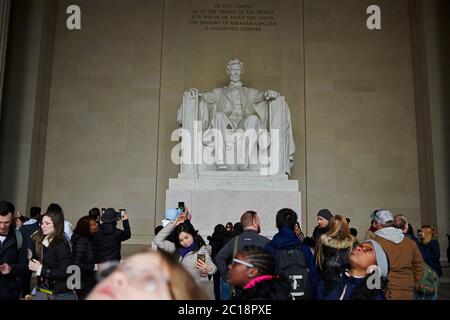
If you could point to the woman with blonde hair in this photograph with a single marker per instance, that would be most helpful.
(333, 251)
(429, 247)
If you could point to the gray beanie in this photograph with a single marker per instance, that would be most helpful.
(382, 261)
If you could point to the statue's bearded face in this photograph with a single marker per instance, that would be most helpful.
(235, 72)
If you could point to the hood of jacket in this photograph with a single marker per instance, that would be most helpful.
(30, 222)
(284, 239)
(391, 234)
(336, 243)
(108, 228)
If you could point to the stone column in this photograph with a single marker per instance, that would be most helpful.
(4, 19)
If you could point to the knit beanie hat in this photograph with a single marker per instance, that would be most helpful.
(325, 213)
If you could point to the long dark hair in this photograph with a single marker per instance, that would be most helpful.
(58, 223)
(188, 228)
(83, 227)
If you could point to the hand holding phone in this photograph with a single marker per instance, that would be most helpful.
(123, 214)
(201, 257)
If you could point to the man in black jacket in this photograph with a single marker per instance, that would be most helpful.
(323, 219)
(109, 238)
(250, 237)
(13, 254)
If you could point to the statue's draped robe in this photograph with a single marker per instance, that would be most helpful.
(253, 103)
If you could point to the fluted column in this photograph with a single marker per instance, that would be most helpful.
(4, 18)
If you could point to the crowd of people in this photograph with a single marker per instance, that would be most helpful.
(37, 252)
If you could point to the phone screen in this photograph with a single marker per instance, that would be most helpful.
(201, 256)
(181, 206)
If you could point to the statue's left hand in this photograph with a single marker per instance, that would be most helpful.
(270, 94)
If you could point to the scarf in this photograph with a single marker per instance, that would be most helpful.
(257, 280)
(185, 251)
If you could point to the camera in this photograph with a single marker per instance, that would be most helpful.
(121, 213)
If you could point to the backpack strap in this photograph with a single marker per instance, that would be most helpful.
(19, 239)
(235, 246)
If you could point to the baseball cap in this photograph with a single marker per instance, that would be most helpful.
(170, 214)
(382, 216)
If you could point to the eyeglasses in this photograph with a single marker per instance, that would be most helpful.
(145, 278)
(245, 263)
(365, 249)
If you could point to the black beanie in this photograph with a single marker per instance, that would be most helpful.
(325, 213)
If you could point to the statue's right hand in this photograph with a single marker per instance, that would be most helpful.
(191, 93)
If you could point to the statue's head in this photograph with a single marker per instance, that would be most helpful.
(235, 69)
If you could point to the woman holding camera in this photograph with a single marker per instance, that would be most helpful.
(190, 248)
(55, 259)
(108, 240)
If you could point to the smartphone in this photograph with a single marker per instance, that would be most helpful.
(103, 210)
(122, 212)
(201, 256)
(181, 206)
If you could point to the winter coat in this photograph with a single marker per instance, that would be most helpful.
(286, 239)
(344, 289)
(29, 227)
(216, 245)
(84, 256)
(55, 262)
(247, 238)
(189, 261)
(10, 285)
(334, 258)
(406, 266)
(317, 233)
(108, 241)
(266, 289)
(431, 254)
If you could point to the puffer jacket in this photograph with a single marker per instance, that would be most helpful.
(189, 261)
(108, 241)
(334, 258)
(84, 256)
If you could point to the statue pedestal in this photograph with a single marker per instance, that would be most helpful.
(219, 197)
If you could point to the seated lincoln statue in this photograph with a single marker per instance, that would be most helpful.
(236, 108)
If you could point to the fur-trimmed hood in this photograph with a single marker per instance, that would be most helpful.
(336, 244)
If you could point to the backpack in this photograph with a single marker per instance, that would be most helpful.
(292, 264)
(429, 283)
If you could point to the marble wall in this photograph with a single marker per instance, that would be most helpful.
(116, 85)
(361, 145)
(102, 132)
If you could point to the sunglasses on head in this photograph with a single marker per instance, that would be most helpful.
(245, 263)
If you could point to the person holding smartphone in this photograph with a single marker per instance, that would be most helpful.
(108, 240)
(190, 248)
